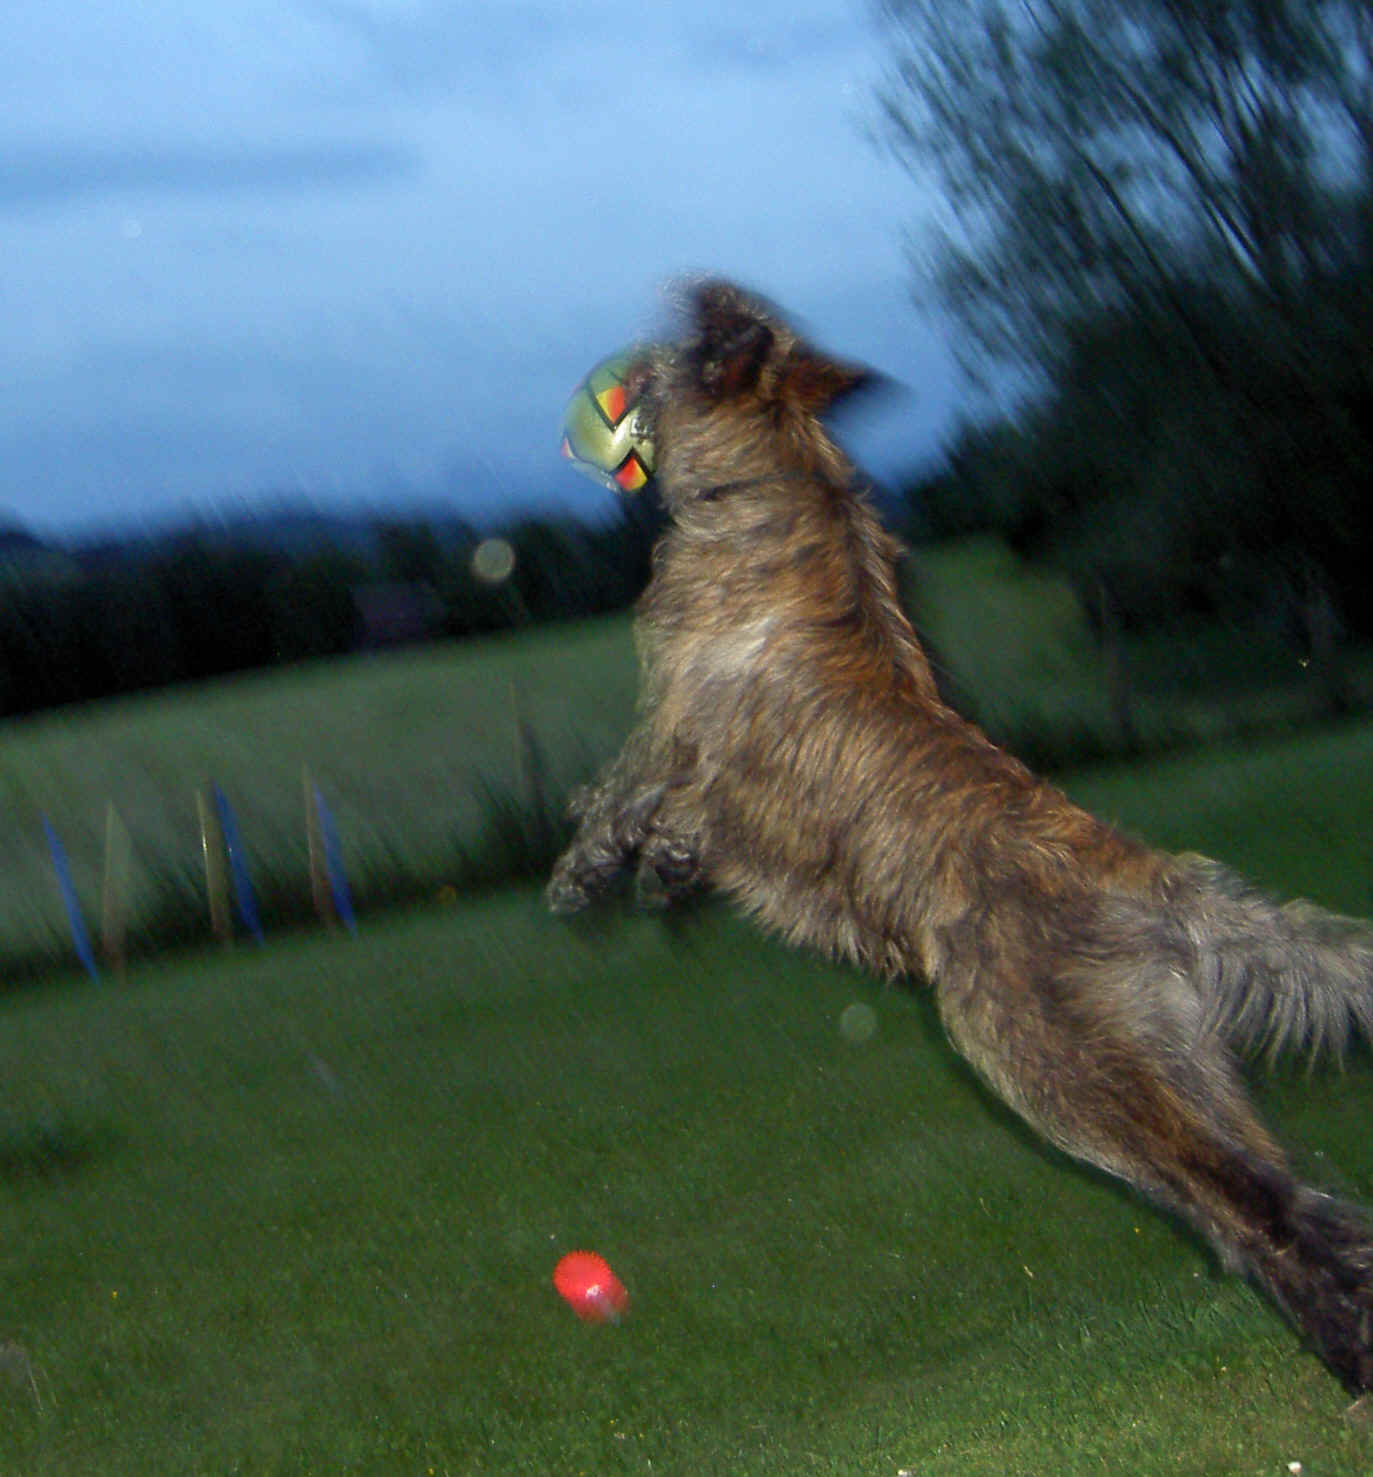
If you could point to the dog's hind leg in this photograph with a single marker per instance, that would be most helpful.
(1172, 1119)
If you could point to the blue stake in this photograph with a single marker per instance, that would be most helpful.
(64, 882)
(244, 898)
(333, 865)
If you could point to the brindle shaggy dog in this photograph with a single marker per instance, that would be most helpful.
(794, 752)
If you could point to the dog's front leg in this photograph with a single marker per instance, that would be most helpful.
(613, 825)
(620, 825)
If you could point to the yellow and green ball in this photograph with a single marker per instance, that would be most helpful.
(603, 433)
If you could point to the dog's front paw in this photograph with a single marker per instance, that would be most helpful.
(565, 895)
(669, 869)
(580, 877)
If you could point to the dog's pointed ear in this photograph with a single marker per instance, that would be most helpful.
(818, 382)
(732, 340)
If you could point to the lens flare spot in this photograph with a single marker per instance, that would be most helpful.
(493, 560)
(858, 1023)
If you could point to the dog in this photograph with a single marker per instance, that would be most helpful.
(793, 751)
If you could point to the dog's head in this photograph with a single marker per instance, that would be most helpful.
(738, 398)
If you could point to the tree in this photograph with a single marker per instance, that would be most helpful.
(1096, 154)
(410, 551)
(313, 613)
(217, 599)
(1162, 210)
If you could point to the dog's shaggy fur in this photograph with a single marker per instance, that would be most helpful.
(794, 752)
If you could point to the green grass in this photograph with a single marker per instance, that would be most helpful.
(1013, 637)
(1016, 649)
(296, 1210)
(1295, 815)
(404, 749)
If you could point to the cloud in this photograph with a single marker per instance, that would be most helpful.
(266, 244)
(52, 176)
(496, 54)
(537, 52)
(749, 42)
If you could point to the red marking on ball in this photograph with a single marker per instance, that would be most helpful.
(593, 1292)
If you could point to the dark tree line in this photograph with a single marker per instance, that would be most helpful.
(1144, 478)
(1160, 221)
(88, 625)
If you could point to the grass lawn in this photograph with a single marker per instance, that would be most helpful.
(1024, 663)
(296, 1210)
(400, 747)
(1013, 638)
(1293, 814)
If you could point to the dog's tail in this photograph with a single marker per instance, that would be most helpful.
(1273, 975)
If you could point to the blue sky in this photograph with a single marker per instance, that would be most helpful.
(348, 250)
